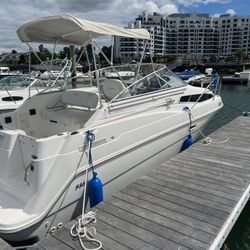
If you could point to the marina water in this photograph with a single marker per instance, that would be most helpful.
(236, 99)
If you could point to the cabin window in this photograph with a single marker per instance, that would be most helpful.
(194, 98)
(12, 98)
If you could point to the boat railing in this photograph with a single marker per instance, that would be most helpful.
(10, 95)
(214, 86)
(174, 64)
(64, 72)
(163, 83)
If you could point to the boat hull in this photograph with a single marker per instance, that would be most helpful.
(132, 164)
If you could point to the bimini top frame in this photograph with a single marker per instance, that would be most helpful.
(70, 30)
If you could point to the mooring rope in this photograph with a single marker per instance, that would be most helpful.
(81, 229)
(207, 139)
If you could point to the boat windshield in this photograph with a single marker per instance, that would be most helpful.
(124, 83)
(20, 81)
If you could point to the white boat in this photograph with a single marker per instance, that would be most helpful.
(14, 90)
(126, 75)
(53, 74)
(5, 71)
(245, 74)
(202, 80)
(43, 142)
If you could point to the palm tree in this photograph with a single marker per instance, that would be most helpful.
(239, 53)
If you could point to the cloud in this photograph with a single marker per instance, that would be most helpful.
(168, 9)
(231, 12)
(162, 7)
(216, 15)
(119, 12)
(188, 3)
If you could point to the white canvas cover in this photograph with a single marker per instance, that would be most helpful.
(66, 29)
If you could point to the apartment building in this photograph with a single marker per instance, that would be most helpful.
(187, 35)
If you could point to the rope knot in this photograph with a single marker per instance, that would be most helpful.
(90, 138)
(187, 109)
(90, 135)
(83, 232)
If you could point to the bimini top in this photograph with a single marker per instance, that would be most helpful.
(66, 29)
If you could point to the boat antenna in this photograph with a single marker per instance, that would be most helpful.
(112, 50)
(73, 66)
(87, 56)
(96, 72)
(157, 76)
(45, 66)
(29, 62)
(110, 63)
(53, 53)
(143, 52)
(29, 68)
(80, 56)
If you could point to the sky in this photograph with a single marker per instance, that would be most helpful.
(14, 13)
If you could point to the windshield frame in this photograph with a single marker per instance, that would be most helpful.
(146, 77)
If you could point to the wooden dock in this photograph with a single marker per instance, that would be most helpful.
(4, 245)
(233, 80)
(189, 202)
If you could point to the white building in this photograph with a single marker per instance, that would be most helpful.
(188, 35)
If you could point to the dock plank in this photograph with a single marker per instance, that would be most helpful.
(4, 245)
(214, 164)
(210, 172)
(127, 222)
(201, 175)
(173, 239)
(171, 214)
(187, 190)
(183, 200)
(153, 218)
(37, 247)
(187, 196)
(192, 178)
(51, 243)
(106, 241)
(170, 205)
(122, 237)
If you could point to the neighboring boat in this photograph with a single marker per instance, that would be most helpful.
(14, 90)
(245, 74)
(203, 80)
(136, 127)
(186, 75)
(196, 78)
(5, 71)
(126, 75)
(53, 74)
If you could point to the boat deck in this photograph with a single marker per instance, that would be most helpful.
(189, 202)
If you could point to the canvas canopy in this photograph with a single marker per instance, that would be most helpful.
(66, 29)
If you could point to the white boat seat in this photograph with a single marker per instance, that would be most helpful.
(112, 87)
(80, 98)
(77, 107)
(69, 116)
